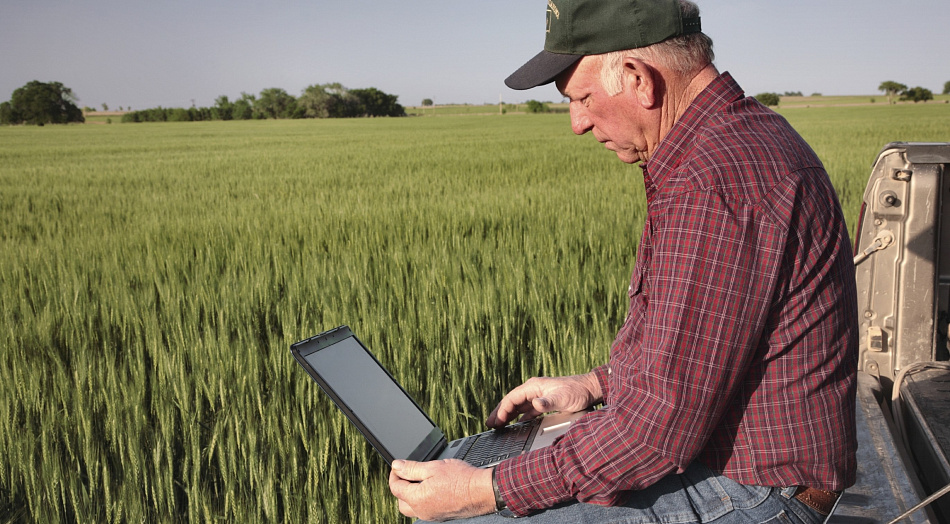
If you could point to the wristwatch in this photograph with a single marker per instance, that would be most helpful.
(499, 502)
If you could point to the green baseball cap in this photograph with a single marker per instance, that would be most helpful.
(577, 28)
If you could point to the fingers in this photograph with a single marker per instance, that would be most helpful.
(406, 510)
(499, 420)
(543, 394)
(396, 486)
(518, 401)
(440, 489)
(508, 410)
(402, 487)
(401, 479)
(496, 419)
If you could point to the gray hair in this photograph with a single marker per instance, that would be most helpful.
(685, 55)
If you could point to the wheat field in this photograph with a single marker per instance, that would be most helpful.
(153, 277)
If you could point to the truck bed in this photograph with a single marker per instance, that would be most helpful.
(884, 487)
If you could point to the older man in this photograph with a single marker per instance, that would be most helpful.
(729, 394)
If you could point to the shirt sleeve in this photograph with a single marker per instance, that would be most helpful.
(699, 299)
(601, 373)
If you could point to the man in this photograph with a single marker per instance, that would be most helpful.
(729, 394)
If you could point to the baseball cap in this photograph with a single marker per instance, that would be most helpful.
(577, 28)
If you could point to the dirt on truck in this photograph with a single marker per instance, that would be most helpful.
(902, 264)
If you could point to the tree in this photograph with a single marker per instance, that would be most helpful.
(8, 115)
(344, 104)
(374, 102)
(179, 114)
(329, 101)
(427, 102)
(891, 88)
(105, 106)
(769, 99)
(275, 103)
(946, 88)
(315, 102)
(243, 109)
(41, 103)
(917, 94)
(222, 109)
(537, 107)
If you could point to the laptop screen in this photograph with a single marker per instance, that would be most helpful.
(371, 395)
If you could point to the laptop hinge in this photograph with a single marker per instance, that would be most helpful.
(431, 445)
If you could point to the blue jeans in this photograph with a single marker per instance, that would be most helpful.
(696, 496)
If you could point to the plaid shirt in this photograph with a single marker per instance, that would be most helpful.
(740, 345)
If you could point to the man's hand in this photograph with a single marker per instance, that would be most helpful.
(441, 489)
(541, 395)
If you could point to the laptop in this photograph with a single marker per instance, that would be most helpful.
(392, 421)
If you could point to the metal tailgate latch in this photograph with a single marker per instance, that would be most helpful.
(881, 241)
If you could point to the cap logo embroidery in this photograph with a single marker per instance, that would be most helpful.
(552, 9)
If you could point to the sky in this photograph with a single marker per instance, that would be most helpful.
(176, 53)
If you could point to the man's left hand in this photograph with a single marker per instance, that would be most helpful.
(441, 489)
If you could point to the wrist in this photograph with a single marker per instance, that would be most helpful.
(482, 492)
(594, 386)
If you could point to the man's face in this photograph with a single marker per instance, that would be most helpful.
(615, 121)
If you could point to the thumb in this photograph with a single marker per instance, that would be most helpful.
(408, 469)
(542, 404)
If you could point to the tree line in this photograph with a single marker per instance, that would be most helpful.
(890, 88)
(41, 103)
(317, 101)
(914, 94)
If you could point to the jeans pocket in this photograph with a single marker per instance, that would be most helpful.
(732, 494)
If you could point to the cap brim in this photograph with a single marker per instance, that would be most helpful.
(541, 70)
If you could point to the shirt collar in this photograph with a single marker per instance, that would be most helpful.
(722, 91)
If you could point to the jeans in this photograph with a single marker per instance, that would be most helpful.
(696, 496)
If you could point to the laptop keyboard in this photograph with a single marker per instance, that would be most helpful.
(494, 446)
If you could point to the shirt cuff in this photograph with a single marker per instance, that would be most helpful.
(601, 373)
(530, 482)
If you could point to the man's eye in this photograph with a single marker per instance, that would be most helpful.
(585, 101)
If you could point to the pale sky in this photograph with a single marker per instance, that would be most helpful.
(149, 53)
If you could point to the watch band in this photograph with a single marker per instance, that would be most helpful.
(499, 502)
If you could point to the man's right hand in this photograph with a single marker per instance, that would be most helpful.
(542, 394)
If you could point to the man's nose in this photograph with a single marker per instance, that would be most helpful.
(580, 123)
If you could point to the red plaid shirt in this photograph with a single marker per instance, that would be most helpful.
(740, 345)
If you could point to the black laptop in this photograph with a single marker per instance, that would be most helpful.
(392, 421)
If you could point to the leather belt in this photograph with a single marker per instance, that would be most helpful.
(817, 499)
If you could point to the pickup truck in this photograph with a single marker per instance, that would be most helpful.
(902, 264)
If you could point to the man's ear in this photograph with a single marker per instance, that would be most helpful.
(641, 81)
